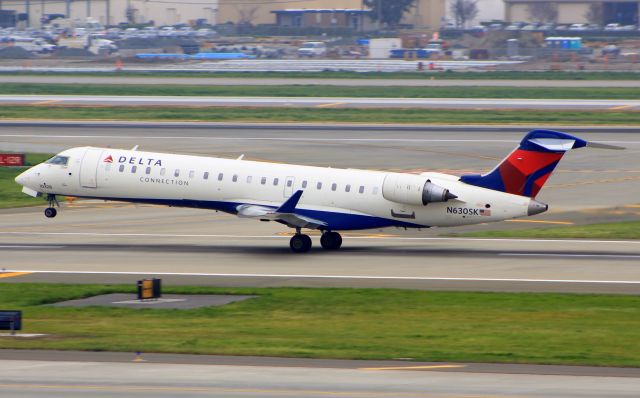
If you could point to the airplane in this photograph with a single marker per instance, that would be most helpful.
(320, 198)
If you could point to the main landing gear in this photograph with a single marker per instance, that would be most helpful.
(301, 243)
(331, 240)
(51, 211)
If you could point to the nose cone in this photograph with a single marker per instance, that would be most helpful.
(536, 207)
(23, 178)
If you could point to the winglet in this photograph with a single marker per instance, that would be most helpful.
(290, 205)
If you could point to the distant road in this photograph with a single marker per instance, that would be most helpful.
(250, 81)
(322, 102)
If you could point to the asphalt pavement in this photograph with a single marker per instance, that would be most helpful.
(327, 102)
(428, 80)
(69, 378)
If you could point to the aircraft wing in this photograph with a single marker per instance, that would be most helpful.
(285, 214)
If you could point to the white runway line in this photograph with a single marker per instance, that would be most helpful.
(399, 238)
(346, 237)
(396, 238)
(400, 278)
(571, 255)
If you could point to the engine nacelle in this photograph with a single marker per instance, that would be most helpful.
(413, 189)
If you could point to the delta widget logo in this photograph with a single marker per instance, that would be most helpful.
(108, 159)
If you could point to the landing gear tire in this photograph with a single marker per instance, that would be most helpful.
(50, 212)
(300, 243)
(331, 241)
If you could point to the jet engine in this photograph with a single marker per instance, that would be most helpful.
(412, 189)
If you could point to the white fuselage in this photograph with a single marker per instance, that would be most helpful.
(343, 198)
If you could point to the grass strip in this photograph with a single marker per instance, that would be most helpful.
(617, 230)
(344, 323)
(488, 75)
(11, 193)
(248, 114)
(323, 91)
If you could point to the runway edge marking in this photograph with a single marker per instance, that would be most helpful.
(67, 272)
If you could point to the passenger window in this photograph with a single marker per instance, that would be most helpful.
(234, 178)
(121, 168)
(206, 175)
(375, 190)
(334, 186)
(275, 181)
(249, 178)
(347, 188)
(319, 186)
(176, 173)
(192, 173)
(304, 184)
(148, 171)
(361, 190)
(289, 183)
(263, 180)
(134, 169)
(220, 176)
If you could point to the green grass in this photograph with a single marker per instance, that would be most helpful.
(617, 230)
(11, 193)
(498, 75)
(345, 323)
(322, 91)
(247, 114)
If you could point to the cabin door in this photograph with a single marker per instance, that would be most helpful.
(89, 168)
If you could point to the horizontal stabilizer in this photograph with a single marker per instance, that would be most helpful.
(599, 145)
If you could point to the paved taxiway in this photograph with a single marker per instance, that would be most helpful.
(206, 247)
(114, 374)
(249, 81)
(332, 102)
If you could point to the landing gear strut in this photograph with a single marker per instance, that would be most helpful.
(300, 243)
(331, 240)
(51, 211)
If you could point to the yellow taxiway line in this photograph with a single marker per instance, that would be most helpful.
(543, 222)
(47, 102)
(426, 367)
(12, 274)
(330, 104)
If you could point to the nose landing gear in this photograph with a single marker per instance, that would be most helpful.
(51, 211)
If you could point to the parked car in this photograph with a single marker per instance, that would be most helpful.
(312, 49)
(613, 26)
(578, 26)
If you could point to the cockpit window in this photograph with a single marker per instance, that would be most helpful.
(61, 160)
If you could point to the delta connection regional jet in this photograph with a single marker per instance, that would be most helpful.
(326, 199)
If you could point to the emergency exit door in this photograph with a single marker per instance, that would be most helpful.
(89, 168)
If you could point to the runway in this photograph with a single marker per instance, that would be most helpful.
(428, 80)
(96, 243)
(327, 102)
(77, 374)
(108, 243)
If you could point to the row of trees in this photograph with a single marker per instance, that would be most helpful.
(390, 12)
